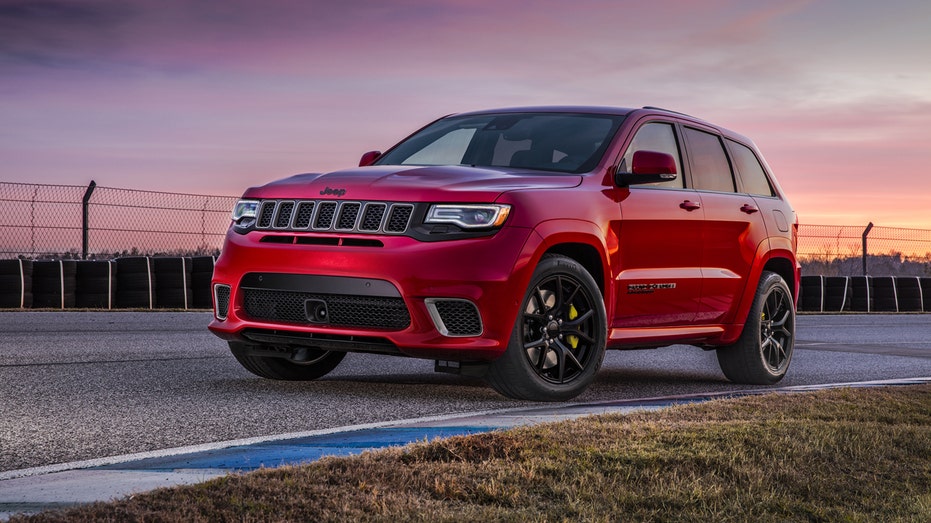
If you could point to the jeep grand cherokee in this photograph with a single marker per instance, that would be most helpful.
(518, 245)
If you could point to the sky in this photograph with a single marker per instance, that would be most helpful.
(213, 96)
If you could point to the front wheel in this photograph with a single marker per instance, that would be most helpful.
(762, 354)
(558, 341)
(309, 364)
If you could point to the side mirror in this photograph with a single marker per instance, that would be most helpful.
(648, 167)
(369, 158)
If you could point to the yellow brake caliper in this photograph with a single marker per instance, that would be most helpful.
(573, 340)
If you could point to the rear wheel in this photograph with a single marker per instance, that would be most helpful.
(558, 341)
(762, 354)
(298, 365)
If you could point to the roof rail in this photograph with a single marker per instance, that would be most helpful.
(668, 111)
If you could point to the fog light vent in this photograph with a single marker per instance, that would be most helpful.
(221, 297)
(455, 317)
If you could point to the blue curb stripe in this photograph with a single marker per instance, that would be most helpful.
(296, 451)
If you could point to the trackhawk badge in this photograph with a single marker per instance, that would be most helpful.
(648, 288)
(335, 192)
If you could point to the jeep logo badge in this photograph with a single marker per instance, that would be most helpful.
(335, 192)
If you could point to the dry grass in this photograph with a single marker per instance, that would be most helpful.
(840, 455)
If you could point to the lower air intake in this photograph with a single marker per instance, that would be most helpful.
(455, 317)
(370, 312)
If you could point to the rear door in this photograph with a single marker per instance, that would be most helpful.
(660, 241)
(733, 231)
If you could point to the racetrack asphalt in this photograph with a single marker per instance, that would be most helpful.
(81, 386)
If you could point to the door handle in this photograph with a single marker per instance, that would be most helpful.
(689, 205)
(749, 209)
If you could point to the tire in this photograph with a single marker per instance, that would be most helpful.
(319, 363)
(558, 341)
(763, 352)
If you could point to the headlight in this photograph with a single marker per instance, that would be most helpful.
(469, 216)
(245, 209)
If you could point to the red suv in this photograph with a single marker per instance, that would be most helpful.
(518, 245)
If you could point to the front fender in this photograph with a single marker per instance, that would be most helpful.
(567, 237)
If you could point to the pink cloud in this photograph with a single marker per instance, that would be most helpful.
(215, 96)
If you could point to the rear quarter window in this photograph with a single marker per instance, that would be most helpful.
(752, 176)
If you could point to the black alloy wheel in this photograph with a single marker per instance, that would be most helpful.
(558, 341)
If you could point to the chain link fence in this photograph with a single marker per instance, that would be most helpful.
(844, 250)
(78, 222)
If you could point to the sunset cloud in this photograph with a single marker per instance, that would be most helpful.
(193, 96)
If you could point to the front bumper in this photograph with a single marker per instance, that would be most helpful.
(388, 299)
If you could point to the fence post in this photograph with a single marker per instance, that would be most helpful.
(85, 203)
(866, 232)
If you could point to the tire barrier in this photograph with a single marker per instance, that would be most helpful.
(184, 283)
(811, 298)
(885, 298)
(96, 285)
(54, 284)
(201, 274)
(135, 283)
(15, 284)
(861, 293)
(908, 294)
(173, 282)
(836, 294)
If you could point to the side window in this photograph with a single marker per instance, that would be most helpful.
(659, 137)
(752, 176)
(710, 169)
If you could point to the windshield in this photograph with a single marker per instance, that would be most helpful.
(559, 142)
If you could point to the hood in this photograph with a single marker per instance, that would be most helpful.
(413, 184)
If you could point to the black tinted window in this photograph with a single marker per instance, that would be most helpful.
(658, 137)
(752, 176)
(710, 169)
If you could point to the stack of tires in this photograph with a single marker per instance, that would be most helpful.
(96, 284)
(173, 277)
(861, 293)
(54, 284)
(884, 294)
(201, 274)
(135, 283)
(836, 294)
(811, 298)
(15, 284)
(908, 294)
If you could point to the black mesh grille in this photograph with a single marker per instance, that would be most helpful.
(342, 310)
(400, 216)
(265, 216)
(461, 318)
(223, 300)
(371, 218)
(305, 211)
(347, 216)
(283, 219)
(325, 215)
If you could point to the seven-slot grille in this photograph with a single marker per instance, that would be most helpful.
(329, 215)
